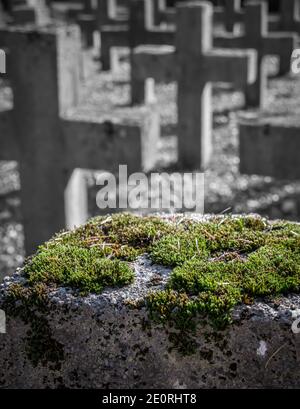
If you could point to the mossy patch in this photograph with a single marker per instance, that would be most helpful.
(216, 263)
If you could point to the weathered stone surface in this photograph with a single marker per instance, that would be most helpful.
(51, 56)
(194, 65)
(105, 343)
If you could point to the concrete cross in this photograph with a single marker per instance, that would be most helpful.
(87, 13)
(44, 72)
(92, 15)
(257, 37)
(2, 62)
(229, 14)
(162, 13)
(87, 21)
(270, 149)
(194, 64)
(289, 19)
(23, 12)
(2, 16)
(139, 30)
(67, 10)
(232, 14)
(110, 12)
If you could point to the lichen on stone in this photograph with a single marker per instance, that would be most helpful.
(216, 264)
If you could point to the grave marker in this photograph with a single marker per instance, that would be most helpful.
(233, 14)
(30, 11)
(194, 64)
(109, 13)
(257, 37)
(2, 16)
(2, 62)
(289, 17)
(66, 10)
(44, 72)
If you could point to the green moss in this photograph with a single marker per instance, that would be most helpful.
(30, 304)
(216, 264)
(121, 236)
(219, 264)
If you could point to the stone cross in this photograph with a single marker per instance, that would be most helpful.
(257, 37)
(44, 72)
(2, 16)
(23, 12)
(162, 13)
(31, 11)
(109, 13)
(270, 149)
(194, 64)
(232, 14)
(139, 30)
(87, 22)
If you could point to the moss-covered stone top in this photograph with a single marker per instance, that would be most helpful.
(216, 263)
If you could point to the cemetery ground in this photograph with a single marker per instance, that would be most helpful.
(226, 189)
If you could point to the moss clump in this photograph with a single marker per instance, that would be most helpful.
(223, 264)
(96, 255)
(216, 263)
(30, 304)
(121, 236)
(82, 268)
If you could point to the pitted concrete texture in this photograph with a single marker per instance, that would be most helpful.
(106, 343)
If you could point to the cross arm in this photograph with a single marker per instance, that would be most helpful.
(270, 149)
(8, 144)
(4, 35)
(234, 66)
(221, 15)
(154, 62)
(229, 41)
(277, 42)
(115, 34)
(169, 15)
(92, 145)
(102, 144)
